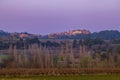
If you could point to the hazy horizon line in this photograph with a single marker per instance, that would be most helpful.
(58, 31)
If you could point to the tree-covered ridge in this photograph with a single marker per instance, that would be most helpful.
(3, 33)
(105, 35)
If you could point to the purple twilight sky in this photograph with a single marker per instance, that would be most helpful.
(46, 16)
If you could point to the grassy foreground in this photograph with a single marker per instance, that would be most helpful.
(82, 77)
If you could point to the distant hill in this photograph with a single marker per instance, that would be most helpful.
(67, 34)
(105, 35)
(3, 33)
(73, 34)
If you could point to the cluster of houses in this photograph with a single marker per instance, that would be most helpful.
(69, 33)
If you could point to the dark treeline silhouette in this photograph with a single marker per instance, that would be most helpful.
(2, 33)
(104, 35)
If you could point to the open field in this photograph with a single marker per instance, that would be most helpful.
(58, 71)
(82, 77)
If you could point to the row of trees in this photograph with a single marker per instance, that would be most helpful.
(66, 56)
